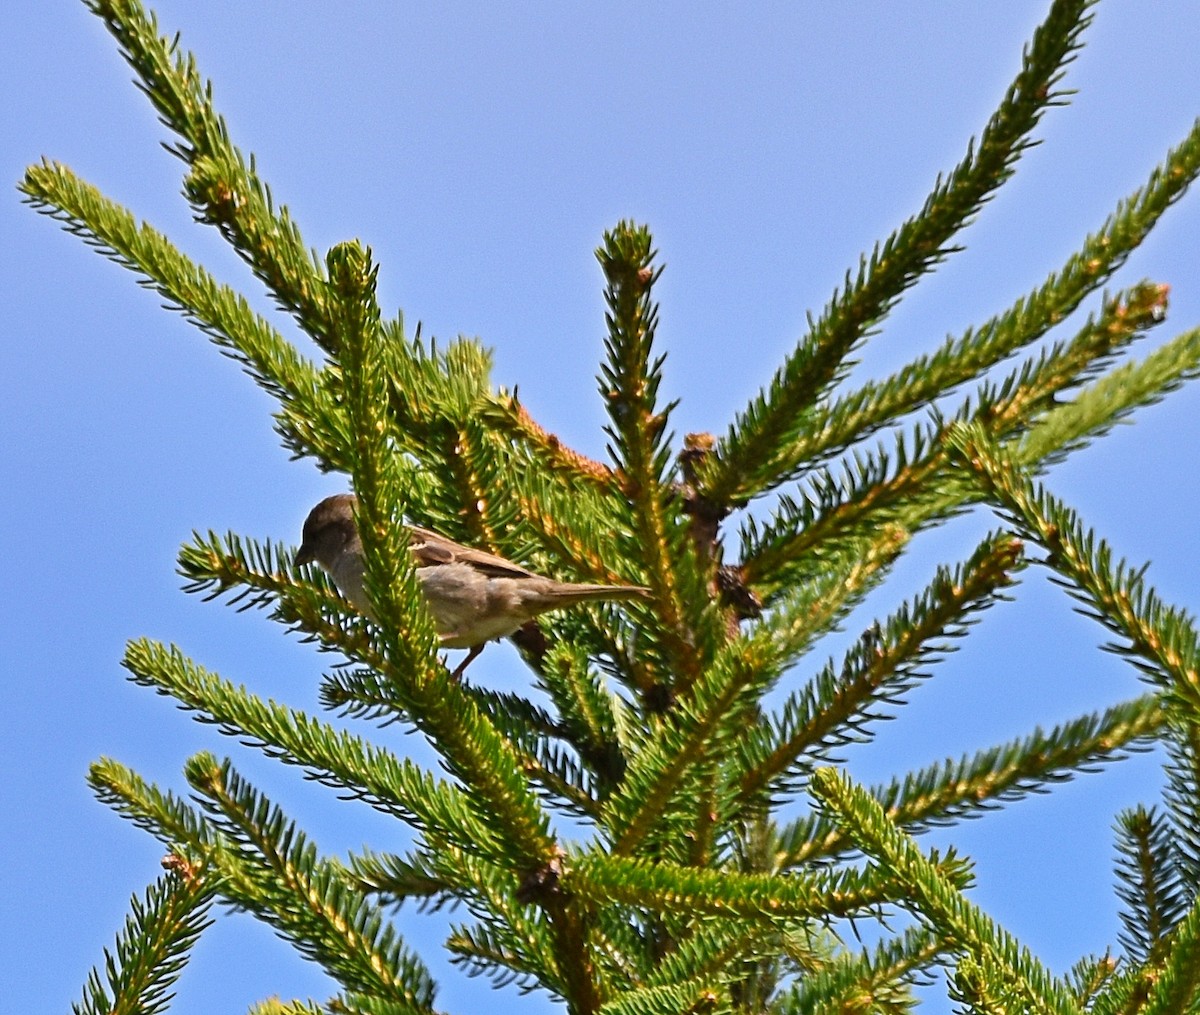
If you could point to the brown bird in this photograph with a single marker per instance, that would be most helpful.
(472, 596)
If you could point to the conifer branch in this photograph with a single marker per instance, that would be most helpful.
(693, 997)
(170, 820)
(473, 749)
(583, 537)
(218, 311)
(510, 943)
(257, 575)
(1175, 985)
(921, 486)
(663, 764)
(1182, 798)
(832, 710)
(274, 1006)
(985, 989)
(868, 981)
(504, 955)
(254, 576)
(223, 189)
(744, 959)
(948, 791)
(1162, 640)
(1148, 883)
(725, 701)
(518, 718)
(332, 757)
(409, 642)
(1040, 382)
(760, 897)
(1124, 993)
(934, 898)
(429, 385)
(228, 193)
(420, 875)
(276, 873)
(575, 525)
(629, 386)
(707, 949)
(855, 416)
(548, 752)
(565, 783)
(485, 509)
(471, 746)
(1109, 399)
(589, 721)
(803, 613)
(1089, 976)
(368, 693)
(513, 942)
(309, 413)
(153, 946)
(512, 419)
(432, 394)
(758, 451)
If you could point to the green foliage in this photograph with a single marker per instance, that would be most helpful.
(1149, 882)
(153, 947)
(621, 846)
(761, 449)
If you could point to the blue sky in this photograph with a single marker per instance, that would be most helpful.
(481, 153)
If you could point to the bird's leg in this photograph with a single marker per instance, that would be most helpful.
(471, 654)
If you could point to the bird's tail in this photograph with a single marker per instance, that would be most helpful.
(596, 593)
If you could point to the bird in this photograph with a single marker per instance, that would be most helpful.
(473, 596)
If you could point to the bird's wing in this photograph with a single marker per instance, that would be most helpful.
(431, 548)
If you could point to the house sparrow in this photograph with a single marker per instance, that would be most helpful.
(472, 596)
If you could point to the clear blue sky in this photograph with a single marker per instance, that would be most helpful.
(481, 153)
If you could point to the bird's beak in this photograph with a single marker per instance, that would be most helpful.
(304, 556)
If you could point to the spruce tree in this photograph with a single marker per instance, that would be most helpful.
(629, 846)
